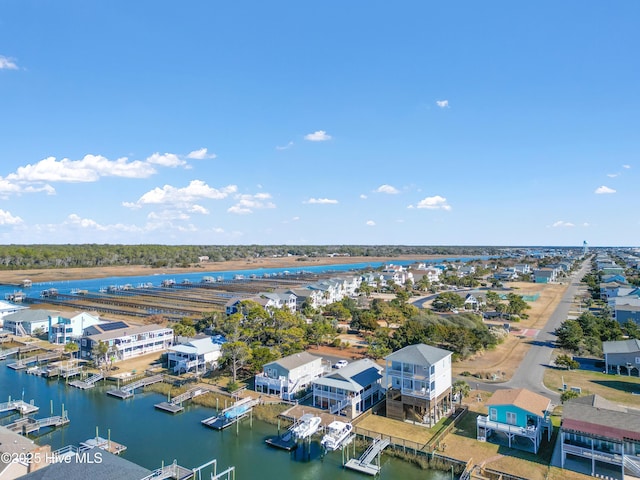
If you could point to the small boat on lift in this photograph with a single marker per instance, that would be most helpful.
(337, 433)
(307, 426)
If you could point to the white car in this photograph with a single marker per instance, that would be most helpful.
(341, 364)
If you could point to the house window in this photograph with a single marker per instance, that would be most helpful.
(433, 370)
(512, 418)
(637, 360)
(493, 414)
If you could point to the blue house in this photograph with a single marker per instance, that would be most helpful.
(517, 417)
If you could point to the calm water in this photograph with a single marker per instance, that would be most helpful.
(153, 436)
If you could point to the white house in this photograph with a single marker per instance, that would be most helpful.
(126, 341)
(63, 329)
(28, 321)
(418, 382)
(7, 308)
(289, 375)
(351, 389)
(198, 355)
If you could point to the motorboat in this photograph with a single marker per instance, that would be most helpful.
(307, 425)
(337, 433)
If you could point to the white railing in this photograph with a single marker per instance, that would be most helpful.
(587, 452)
(530, 432)
(632, 464)
(426, 393)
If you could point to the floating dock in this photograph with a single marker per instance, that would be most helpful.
(365, 464)
(19, 406)
(28, 425)
(128, 390)
(175, 405)
(88, 383)
(232, 414)
(103, 444)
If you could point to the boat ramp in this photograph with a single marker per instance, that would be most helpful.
(175, 405)
(365, 463)
(128, 390)
(232, 414)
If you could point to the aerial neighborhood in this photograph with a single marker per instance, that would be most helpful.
(429, 359)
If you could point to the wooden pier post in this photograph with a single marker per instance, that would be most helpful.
(51, 404)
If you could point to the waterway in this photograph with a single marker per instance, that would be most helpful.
(153, 436)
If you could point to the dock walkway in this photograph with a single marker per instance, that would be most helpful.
(128, 390)
(232, 414)
(36, 359)
(365, 463)
(4, 354)
(88, 383)
(27, 425)
(19, 406)
(175, 405)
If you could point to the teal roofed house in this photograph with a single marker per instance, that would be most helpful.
(517, 418)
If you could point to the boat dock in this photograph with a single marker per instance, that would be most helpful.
(27, 425)
(37, 359)
(286, 441)
(365, 463)
(4, 354)
(175, 405)
(128, 390)
(232, 414)
(103, 444)
(19, 406)
(88, 383)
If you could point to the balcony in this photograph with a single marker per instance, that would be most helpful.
(422, 393)
(586, 452)
(273, 383)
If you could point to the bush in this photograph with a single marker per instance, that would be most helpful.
(233, 386)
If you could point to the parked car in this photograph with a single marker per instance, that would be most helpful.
(341, 364)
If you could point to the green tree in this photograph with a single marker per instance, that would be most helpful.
(236, 354)
(567, 362)
(447, 301)
(71, 348)
(568, 395)
(99, 352)
(569, 335)
(461, 389)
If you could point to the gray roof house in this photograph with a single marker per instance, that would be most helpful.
(288, 376)
(622, 354)
(28, 321)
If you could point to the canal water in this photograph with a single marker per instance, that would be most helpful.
(153, 436)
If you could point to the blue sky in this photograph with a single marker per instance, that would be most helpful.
(289, 122)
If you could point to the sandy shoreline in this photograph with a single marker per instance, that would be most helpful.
(15, 277)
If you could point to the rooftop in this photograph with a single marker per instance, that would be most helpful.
(522, 398)
(419, 354)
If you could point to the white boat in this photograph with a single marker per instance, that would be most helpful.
(307, 426)
(337, 433)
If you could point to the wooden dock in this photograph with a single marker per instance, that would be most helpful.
(88, 383)
(27, 425)
(365, 464)
(4, 354)
(19, 406)
(128, 390)
(103, 444)
(36, 359)
(175, 405)
(286, 441)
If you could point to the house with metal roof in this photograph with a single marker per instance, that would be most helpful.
(62, 330)
(290, 375)
(349, 390)
(418, 383)
(597, 437)
(622, 354)
(28, 321)
(517, 417)
(196, 355)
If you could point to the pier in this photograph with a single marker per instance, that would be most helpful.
(365, 463)
(175, 405)
(4, 354)
(232, 414)
(128, 390)
(37, 359)
(286, 441)
(27, 425)
(88, 383)
(19, 406)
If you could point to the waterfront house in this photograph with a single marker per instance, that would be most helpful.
(350, 390)
(125, 341)
(66, 329)
(28, 321)
(597, 436)
(288, 376)
(314, 297)
(517, 417)
(197, 355)
(622, 354)
(7, 308)
(418, 383)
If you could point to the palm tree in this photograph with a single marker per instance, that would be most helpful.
(71, 348)
(461, 388)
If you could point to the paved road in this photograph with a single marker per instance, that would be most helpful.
(530, 373)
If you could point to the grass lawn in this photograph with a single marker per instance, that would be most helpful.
(616, 388)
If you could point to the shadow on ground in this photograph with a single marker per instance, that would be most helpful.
(619, 385)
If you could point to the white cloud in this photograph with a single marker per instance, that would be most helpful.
(7, 219)
(75, 220)
(248, 203)
(626, 166)
(7, 64)
(363, 196)
(561, 223)
(201, 154)
(322, 201)
(318, 136)
(166, 160)
(387, 189)
(442, 103)
(186, 196)
(603, 190)
(371, 223)
(199, 209)
(612, 175)
(586, 224)
(285, 147)
(433, 203)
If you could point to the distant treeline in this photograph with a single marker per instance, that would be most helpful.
(19, 257)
